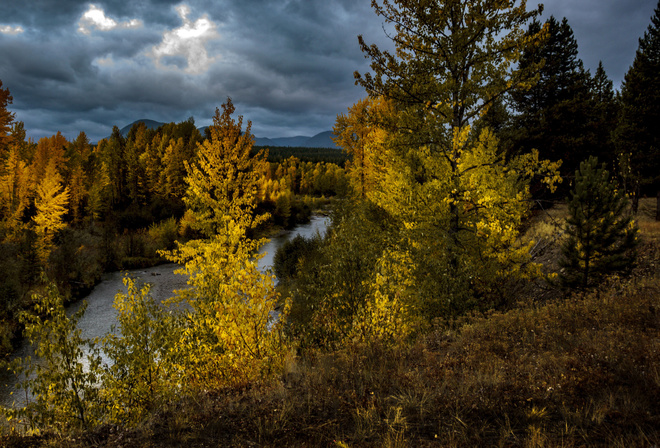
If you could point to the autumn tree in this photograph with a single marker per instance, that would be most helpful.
(51, 204)
(358, 135)
(63, 382)
(78, 176)
(459, 203)
(16, 186)
(139, 376)
(49, 151)
(222, 182)
(601, 233)
(229, 335)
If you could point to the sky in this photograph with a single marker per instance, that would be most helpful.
(288, 65)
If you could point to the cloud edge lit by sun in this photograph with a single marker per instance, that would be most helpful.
(95, 18)
(187, 42)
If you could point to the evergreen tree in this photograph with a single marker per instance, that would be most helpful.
(638, 133)
(604, 117)
(6, 118)
(553, 116)
(601, 236)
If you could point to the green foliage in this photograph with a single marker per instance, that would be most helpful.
(331, 284)
(601, 234)
(457, 202)
(76, 263)
(278, 154)
(139, 372)
(60, 384)
(638, 134)
(553, 116)
(165, 233)
(289, 256)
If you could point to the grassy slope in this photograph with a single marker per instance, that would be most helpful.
(582, 371)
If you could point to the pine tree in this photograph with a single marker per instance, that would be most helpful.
(6, 118)
(553, 116)
(604, 114)
(601, 235)
(638, 133)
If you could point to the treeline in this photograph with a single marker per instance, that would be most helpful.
(71, 210)
(569, 113)
(280, 153)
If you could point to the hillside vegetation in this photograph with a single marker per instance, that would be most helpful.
(583, 370)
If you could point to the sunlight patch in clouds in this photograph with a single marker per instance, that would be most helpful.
(8, 29)
(104, 62)
(95, 18)
(187, 43)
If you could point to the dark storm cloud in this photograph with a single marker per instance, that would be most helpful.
(288, 64)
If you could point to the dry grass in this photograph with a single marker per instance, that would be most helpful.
(572, 372)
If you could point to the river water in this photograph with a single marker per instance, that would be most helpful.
(100, 315)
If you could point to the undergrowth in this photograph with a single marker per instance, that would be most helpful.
(583, 370)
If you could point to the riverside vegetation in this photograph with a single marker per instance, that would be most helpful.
(455, 300)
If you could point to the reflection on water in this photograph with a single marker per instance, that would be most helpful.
(100, 315)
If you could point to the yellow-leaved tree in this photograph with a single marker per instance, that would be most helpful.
(15, 189)
(230, 335)
(51, 203)
(455, 202)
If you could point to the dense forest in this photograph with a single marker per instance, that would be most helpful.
(71, 210)
(490, 276)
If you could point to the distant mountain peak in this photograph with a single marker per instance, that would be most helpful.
(321, 140)
(150, 124)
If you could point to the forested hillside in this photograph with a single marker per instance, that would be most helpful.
(490, 276)
(71, 210)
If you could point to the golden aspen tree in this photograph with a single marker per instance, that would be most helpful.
(458, 201)
(229, 336)
(360, 136)
(51, 204)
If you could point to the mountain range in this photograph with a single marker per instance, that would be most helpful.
(321, 140)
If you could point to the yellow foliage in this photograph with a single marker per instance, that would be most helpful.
(51, 203)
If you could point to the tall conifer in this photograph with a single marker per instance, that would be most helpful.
(638, 133)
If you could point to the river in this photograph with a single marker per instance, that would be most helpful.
(100, 315)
